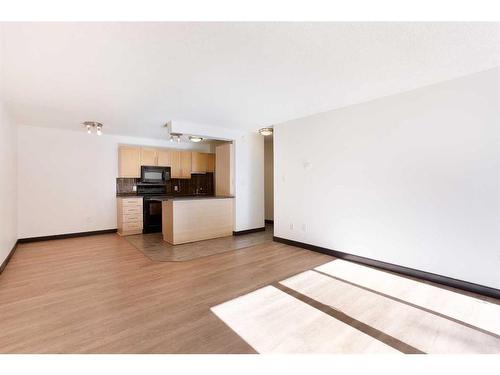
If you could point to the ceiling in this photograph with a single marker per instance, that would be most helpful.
(134, 77)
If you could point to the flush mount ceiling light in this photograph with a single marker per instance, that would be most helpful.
(266, 131)
(195, 138)
(93, 125)
(176, 137)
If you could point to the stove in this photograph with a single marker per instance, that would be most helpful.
(151, 208)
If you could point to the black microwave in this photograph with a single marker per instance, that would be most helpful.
(154, 175)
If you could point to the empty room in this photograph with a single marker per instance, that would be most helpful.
(250, 187)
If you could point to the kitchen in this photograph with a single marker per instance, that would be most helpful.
(186, 195)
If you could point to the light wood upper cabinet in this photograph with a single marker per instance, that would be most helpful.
(129, 161)
(186, 161)
(199, 162)
(224, 167)
(180, 164)
(211, 163)
(156, 157)
(163, 158)
(149, 156)
(175, 164)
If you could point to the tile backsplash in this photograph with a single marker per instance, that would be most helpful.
(126, 185)
(198, 183)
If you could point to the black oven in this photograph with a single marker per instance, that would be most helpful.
(154, 175)
(151, 206)
(152, 215)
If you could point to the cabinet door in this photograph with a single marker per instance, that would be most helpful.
(148, 156)
(163, 158)
(175, 161)
(211, 163)
(198, 162)
(224, 166)
(186, 164)
(129, 161)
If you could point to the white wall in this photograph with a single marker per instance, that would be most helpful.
(249, 170)
(268, 179)
(8, 183)
(67, 179)
(411, 179)
(8, 170)
(249, 184)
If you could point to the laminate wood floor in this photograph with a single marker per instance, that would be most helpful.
(99, 294)
(343, 307)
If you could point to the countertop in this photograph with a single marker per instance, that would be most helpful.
(189, 198)
(176, 197)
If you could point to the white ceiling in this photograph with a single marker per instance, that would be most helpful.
(134, 77)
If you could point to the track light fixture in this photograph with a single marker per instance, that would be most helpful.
(195, 139)
(89, 125)
(175, 137)
(266, 131)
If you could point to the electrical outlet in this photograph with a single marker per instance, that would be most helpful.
(303, 228)
(176, 188)
(291, 226)
(134, 188)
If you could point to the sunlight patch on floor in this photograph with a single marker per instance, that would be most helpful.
(423, 330)
(271, 321)
(473, 311)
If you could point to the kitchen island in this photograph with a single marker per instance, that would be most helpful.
(189, 219)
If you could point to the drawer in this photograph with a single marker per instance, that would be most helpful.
(132, 202)
(132, 210)
(131, 226)
(132, 217)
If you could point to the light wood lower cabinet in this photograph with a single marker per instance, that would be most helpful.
(129, 211)
(196, 219)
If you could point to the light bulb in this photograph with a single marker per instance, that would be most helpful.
(88, 129)
(99, 131)
(178, 139)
